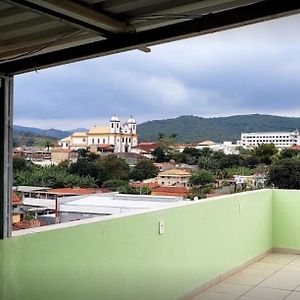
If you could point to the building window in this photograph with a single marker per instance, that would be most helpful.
(103, 141)
(117, 125)
(112, 125)
(93, 141)
(98, 141)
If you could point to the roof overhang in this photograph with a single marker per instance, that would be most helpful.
(36, 34)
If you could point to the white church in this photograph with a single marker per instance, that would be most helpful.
(115, 138)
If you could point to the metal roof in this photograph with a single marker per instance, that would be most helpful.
(40, 33)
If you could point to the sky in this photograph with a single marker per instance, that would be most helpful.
(252, 69)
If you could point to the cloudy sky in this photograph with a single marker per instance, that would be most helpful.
(253, 69)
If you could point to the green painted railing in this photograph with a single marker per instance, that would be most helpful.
(127, 258)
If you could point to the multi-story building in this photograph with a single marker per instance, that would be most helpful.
(174, 177)
(121, 136)
(279, 139)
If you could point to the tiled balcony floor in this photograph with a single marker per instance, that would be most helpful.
(275, 277)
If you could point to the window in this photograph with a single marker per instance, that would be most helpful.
(103, 141)
(112, 125)
(93, 141)
(98, 141)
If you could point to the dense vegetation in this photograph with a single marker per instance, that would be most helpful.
(91, 170)
(29, 139)
(192, 128)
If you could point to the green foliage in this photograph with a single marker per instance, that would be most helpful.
(238, 171)
(285, 174)
(264, 153)
(208, 163)
(196, 193)
(82, 152)
(159, 155)
(101, 168)
(20, 164)
(201, 178)
(114, 184)
(289, 153)
(144, 169)
(127, 189)
(53, 177)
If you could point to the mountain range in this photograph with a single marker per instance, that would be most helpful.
(191, 128)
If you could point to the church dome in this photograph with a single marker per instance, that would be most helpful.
(131, 121)
(114, 119)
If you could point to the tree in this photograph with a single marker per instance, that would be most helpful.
(159, 155)
(144, 169)
(285, 174)
(289, 153)
(264, 153)
(101, 168)
(20, 164)
(196, 193)
(48, 144)
(208, 163)
(238, 171)
(114, 184)
(53, 177)
(201, 178)
(82, 152)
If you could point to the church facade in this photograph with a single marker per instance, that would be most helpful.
(115, 138)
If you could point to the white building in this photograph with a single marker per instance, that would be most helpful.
(121, 136)
(279, 139)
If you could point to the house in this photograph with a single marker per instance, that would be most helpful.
(59, 155)
(145, 149)
(174, 177)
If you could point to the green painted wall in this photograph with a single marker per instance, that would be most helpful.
(286, 219)
(126, 258)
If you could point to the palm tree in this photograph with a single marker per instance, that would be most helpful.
(48, 144)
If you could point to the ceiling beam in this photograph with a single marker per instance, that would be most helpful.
(257, 12)
(77, 15)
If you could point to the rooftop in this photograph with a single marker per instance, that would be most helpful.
(175, 172)
(99, 130)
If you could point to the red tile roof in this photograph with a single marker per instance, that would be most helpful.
(171, 191)
(15, 199)
(25, 224)
(295, 147)
(147, 146)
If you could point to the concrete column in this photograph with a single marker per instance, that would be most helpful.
(6, 162)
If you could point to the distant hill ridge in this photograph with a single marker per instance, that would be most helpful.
(193, 128)
(55, 133)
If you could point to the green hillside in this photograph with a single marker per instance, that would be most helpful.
(192, 128)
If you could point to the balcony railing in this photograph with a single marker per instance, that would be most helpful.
(127, 258)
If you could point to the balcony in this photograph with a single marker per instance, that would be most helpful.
(203, 243)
